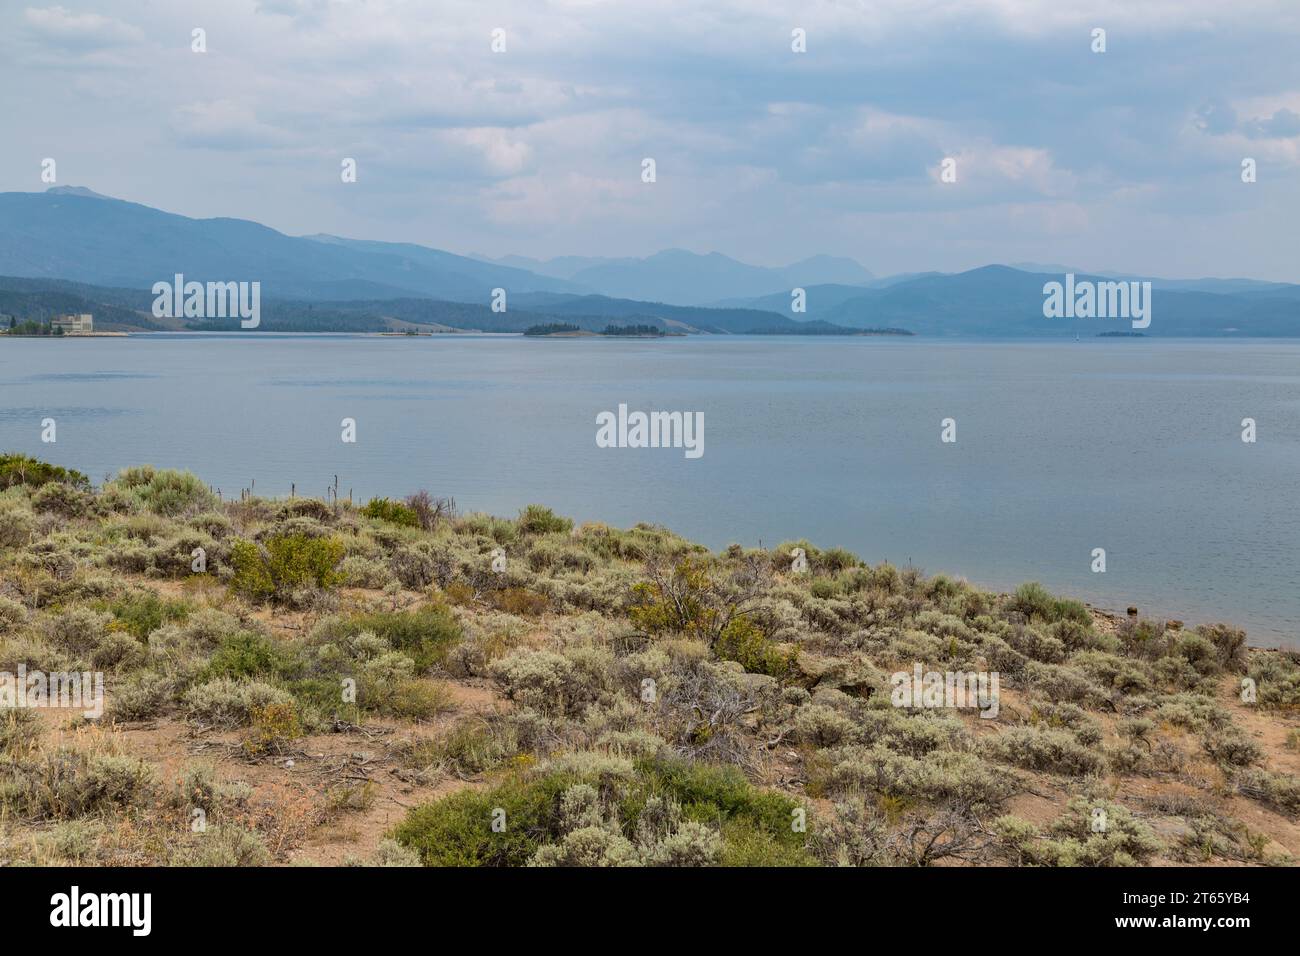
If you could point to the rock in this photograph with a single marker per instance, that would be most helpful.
(1171, 830)
(855, 676)
(815, 668)
(757, 686)
(831, 697)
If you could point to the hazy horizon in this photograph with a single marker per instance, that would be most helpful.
(516, 259)
(1124, 161)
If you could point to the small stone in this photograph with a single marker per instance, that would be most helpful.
(1174, 829)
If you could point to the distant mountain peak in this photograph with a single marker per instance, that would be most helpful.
(76, 191)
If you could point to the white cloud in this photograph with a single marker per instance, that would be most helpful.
(82, 31)
(224, 124)
(759, 149)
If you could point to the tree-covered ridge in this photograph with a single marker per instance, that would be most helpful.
(552, 328)
(126, 309)
(635, 330)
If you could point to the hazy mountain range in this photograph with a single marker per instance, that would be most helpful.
(678, 277)
(70, 249)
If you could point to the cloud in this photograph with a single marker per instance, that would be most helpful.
(225, 125)
(762, 152)
(499, 152)
(1216, 118)
(1283, 124)
(1219, 118)
(62, 28)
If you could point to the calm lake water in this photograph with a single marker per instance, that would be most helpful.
(1062, 447)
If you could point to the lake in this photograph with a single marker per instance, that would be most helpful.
(1131, 445)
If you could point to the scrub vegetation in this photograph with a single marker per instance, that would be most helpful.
(397, 684)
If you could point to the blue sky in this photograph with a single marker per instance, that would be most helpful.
(1127, 160)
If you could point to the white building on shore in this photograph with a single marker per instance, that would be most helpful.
(73, 324)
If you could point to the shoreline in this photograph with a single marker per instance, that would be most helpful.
(1055, 339)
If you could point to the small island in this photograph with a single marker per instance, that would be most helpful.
(565, 330)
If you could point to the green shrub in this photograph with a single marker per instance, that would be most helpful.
(415, 568)
(520, 602)
(425, 634)
(501, 531)
(411, 699)
(359, 572)
(20, 728)
(743, 641)
(1035, 601)
(166, 491)
(852, 834)
(140, 697)
(12, 615)
(140, 613)
(16, 470)
(536, 519)
(1088, 834)
(457, 830)
(248, 654)
(68, 783)
(838, 559)
(1143, 638)
(79, 630)
(1276, 789)
(717, 795)
(682, 602)
(1039, 748)
(662, 812)
(1116, 673)
(1277, 680)
(942, 777)
(272, 726)
(543, 680)
(198, 786)
(557, 553)
(1229, 643)
(1193, 712)
(285, 565)
(230, 703)
(212, 523)
(394, 512)
(67, 501)
(16, 526)
(389, 853)
(225, 846)
(1231, 747)
(824, 726)
(473, 745)
(77, 840)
